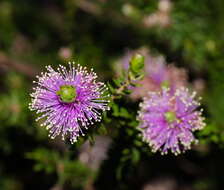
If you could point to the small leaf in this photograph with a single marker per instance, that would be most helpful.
(135, 155)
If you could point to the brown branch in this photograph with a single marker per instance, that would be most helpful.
(89, 7)
(96, 10)
(9, 64)
(159, 18)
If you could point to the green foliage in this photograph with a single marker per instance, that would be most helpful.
(68, 171)
(46, 160)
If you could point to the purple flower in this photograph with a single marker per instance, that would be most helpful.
(68, 100)
(167, 120)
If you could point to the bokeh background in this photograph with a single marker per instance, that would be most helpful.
(98, 33)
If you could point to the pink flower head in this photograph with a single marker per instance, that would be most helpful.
(68, 100)
(167, 120)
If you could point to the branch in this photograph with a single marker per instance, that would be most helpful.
(89, 7)
(160, 18)
(9, 64)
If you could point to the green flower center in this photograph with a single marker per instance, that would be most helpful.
(165, 84)
(170, 116)
(67, 93)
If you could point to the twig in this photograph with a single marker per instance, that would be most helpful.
(89, 7)
(160, 17)
(7, 63)
(121, 89)
(96, 10)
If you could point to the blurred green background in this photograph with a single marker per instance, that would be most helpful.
(97, 33)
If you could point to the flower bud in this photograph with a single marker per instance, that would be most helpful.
(137, 63)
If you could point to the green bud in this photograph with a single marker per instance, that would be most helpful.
(165, 84)
(67, 93)
(137, 63)
(170, 116)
